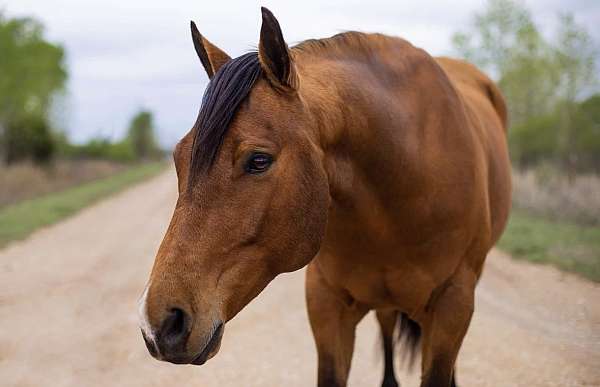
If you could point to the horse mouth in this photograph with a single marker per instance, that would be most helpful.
(211, 348)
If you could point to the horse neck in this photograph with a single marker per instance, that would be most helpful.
(325, 105)
(346, 111)
(374, 124)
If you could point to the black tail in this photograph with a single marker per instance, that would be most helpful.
(409, 338)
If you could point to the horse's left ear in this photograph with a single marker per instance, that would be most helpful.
(274, 55)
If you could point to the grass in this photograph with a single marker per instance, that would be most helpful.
(546, 191)
(19, 220)
(566, 245)
(25, 180)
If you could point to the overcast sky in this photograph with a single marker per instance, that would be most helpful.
(124, 55)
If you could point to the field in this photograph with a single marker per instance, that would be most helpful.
(20, 219)
(25, 180)
(564, 244)
(555, 220)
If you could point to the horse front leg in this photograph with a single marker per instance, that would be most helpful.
(444, 327)
(333, 320)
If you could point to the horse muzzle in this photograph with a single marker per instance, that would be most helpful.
(176, 340)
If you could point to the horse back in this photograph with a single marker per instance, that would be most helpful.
(487, 115)
(469, 79)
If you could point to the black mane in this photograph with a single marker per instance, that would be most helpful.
(221, 100)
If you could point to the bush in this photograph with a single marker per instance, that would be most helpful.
(588, 133)
(99, 148)
(538, 140)
(120, 151)
(534, 141)
(28, 139)
(141, 136)
(139, 144)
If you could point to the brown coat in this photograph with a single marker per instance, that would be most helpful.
(383, 169)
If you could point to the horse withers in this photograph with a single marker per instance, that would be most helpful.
(382, 169)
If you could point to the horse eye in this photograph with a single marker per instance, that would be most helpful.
(258, 163)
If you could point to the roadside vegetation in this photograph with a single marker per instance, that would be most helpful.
(18, 220)
(27, 180)
(564, 244)
(550, 84)
(556, 220)
(33, 90)
(44, 176)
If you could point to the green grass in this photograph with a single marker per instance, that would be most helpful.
(19, 220)
(568, 246)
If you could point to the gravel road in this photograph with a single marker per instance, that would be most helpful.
(68, 298)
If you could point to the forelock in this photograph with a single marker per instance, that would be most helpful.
(226, 91)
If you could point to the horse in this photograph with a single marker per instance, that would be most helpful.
(382, 170)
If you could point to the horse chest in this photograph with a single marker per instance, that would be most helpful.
(375, 285)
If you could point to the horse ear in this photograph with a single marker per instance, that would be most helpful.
(211, 56)
(274, 55)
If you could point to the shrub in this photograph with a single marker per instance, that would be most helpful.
(534, 141)
(100, 148)
(28, 139)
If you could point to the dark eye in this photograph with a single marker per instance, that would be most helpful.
(258, 163)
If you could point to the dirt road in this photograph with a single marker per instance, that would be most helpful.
(68, 315)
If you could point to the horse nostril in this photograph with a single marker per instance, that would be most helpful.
(175, 330)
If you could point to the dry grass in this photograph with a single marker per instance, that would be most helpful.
(25, 181)
(19, 220)
(549, 194)
(556, 220)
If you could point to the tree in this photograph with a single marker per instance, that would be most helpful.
(32, 73)
(504, 41)
(542, 81)
(575, 57)
(588, 133)
(28, 137)
(529, 79)
(141, 135)
(493, 34)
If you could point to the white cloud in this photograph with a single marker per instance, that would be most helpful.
(124, 55)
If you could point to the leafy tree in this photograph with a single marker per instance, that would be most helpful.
(504, 41)
(529, 79)
(542, 82)
(97, 148)
(587, 135)
(141, 135)
(29, 137)
(493, 34)
(32, 72)
(575, 57)
(539, 138)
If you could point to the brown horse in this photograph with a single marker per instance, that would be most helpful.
(381, 168)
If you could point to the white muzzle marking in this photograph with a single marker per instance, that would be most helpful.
(144, 321)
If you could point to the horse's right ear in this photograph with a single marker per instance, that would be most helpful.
(274, 55)
(211, 56)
